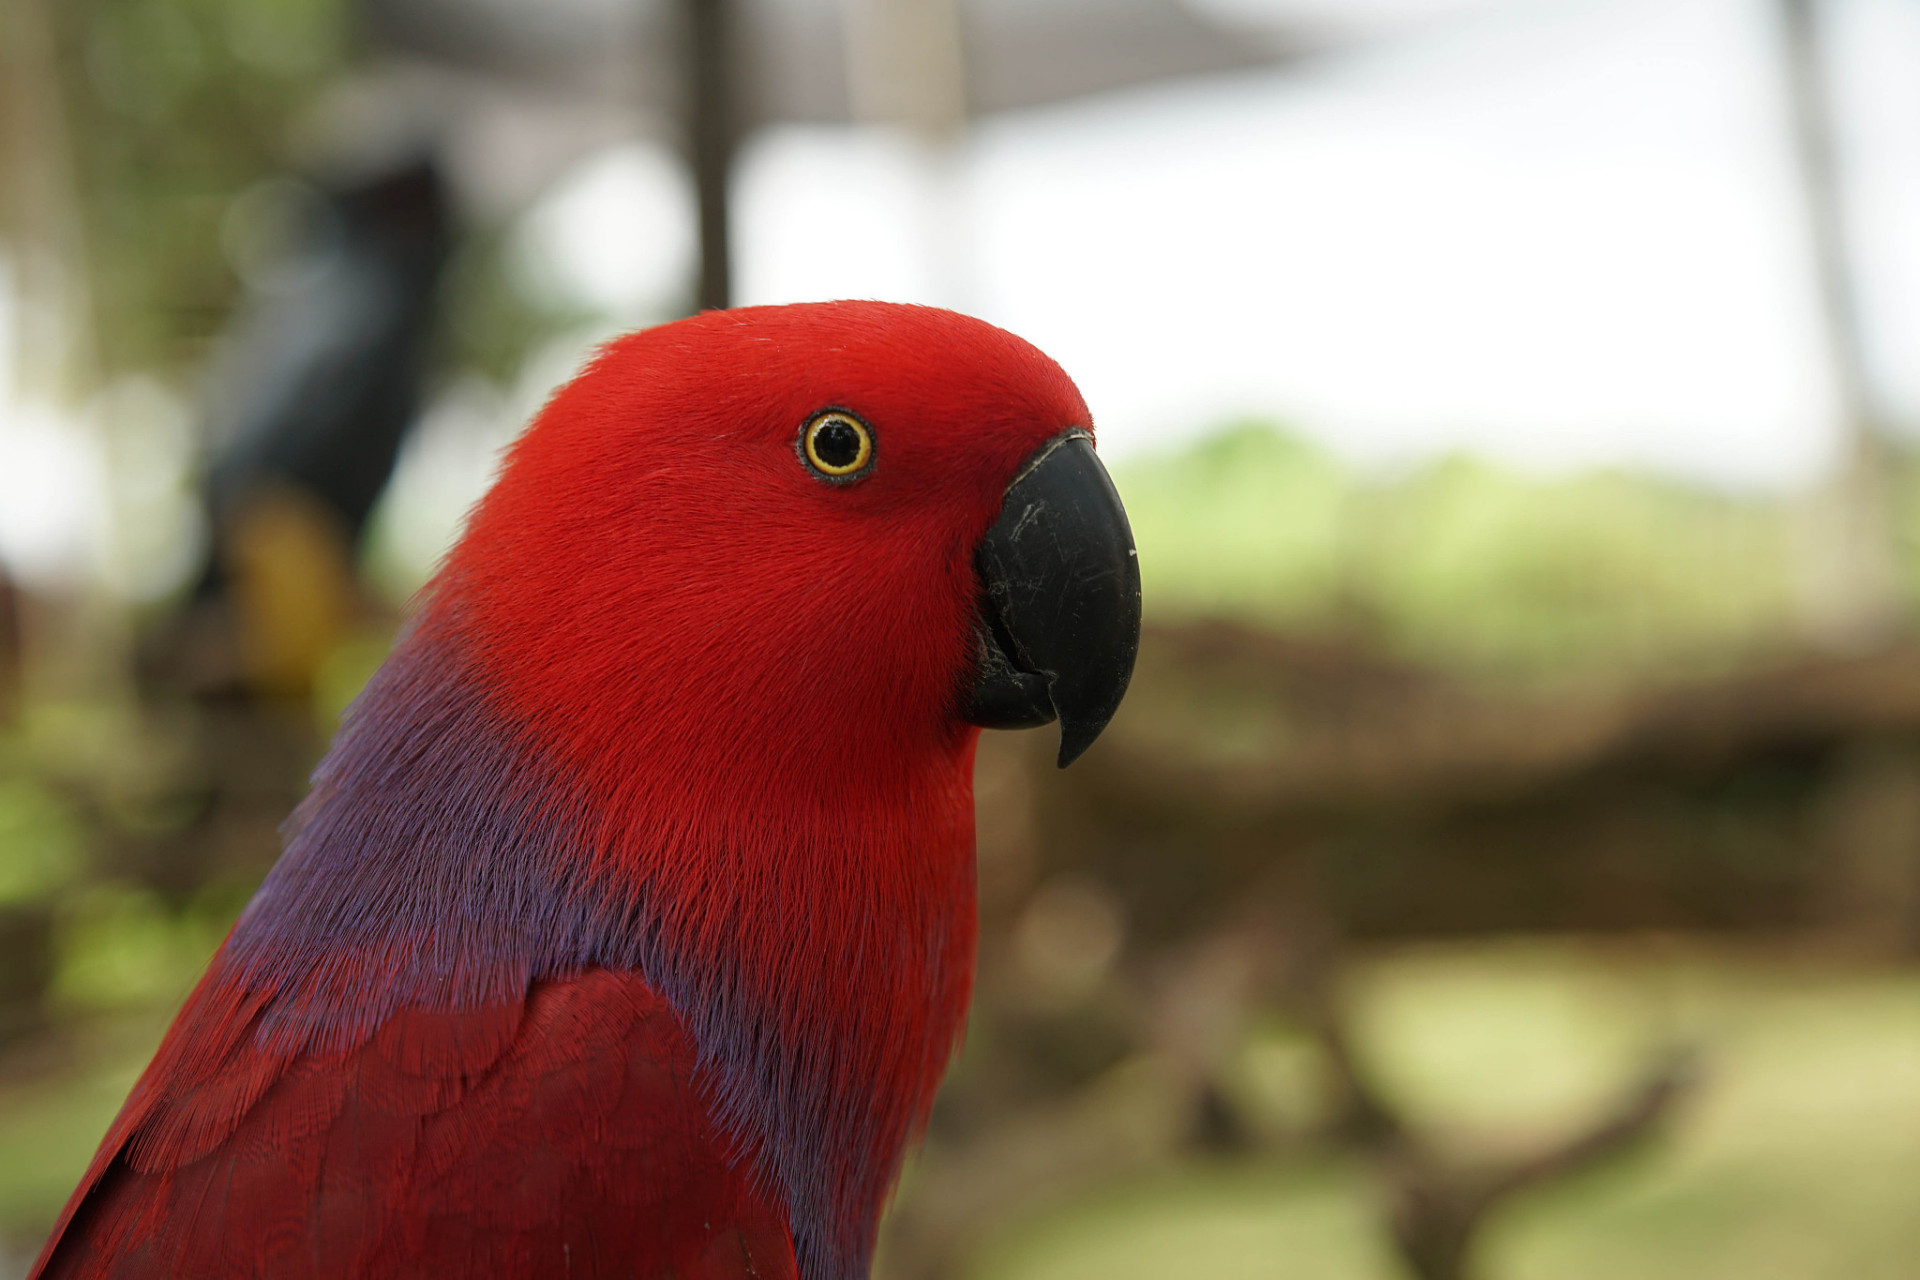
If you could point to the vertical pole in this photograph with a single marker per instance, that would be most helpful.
(712, 133)
(1853, 594)
(1810, 96)
(73, 639)
(40, 210)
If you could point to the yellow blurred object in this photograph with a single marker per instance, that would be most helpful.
(294, 592)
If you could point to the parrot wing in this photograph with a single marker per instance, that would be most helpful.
(560, 1136)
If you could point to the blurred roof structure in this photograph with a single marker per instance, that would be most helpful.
(792, 55)
(711, 71)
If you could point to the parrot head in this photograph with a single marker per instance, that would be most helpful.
(799, 541)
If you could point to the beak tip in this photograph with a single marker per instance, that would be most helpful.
(1083, 720)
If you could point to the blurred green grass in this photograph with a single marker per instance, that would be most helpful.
(1797, 1158)
(48, 1130)
(40, 840)
(117, 992)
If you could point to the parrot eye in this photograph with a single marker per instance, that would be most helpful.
(836, 444)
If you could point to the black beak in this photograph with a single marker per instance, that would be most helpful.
(1060, 600)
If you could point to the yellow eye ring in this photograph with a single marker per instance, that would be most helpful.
(836, 444)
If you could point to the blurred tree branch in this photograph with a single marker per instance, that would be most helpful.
(1437, 1204)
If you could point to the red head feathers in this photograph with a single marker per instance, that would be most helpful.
(646, 862)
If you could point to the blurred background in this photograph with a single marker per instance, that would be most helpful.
(1507, 864)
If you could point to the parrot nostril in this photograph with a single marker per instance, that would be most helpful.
(836, 444)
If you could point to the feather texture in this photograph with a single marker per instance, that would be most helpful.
(565, 1137)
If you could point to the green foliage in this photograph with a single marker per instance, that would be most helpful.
(40, 841)
(1479, 565)
(1304, 1222)
(1460, 562)
(1251, 520)
(47, 1136)
(176, 107)
(121, 947)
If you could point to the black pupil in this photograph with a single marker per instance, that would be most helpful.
(836, 444)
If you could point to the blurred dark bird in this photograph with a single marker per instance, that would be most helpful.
(319, 381)
(325, 372)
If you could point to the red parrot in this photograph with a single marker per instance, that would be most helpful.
(628, 926)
